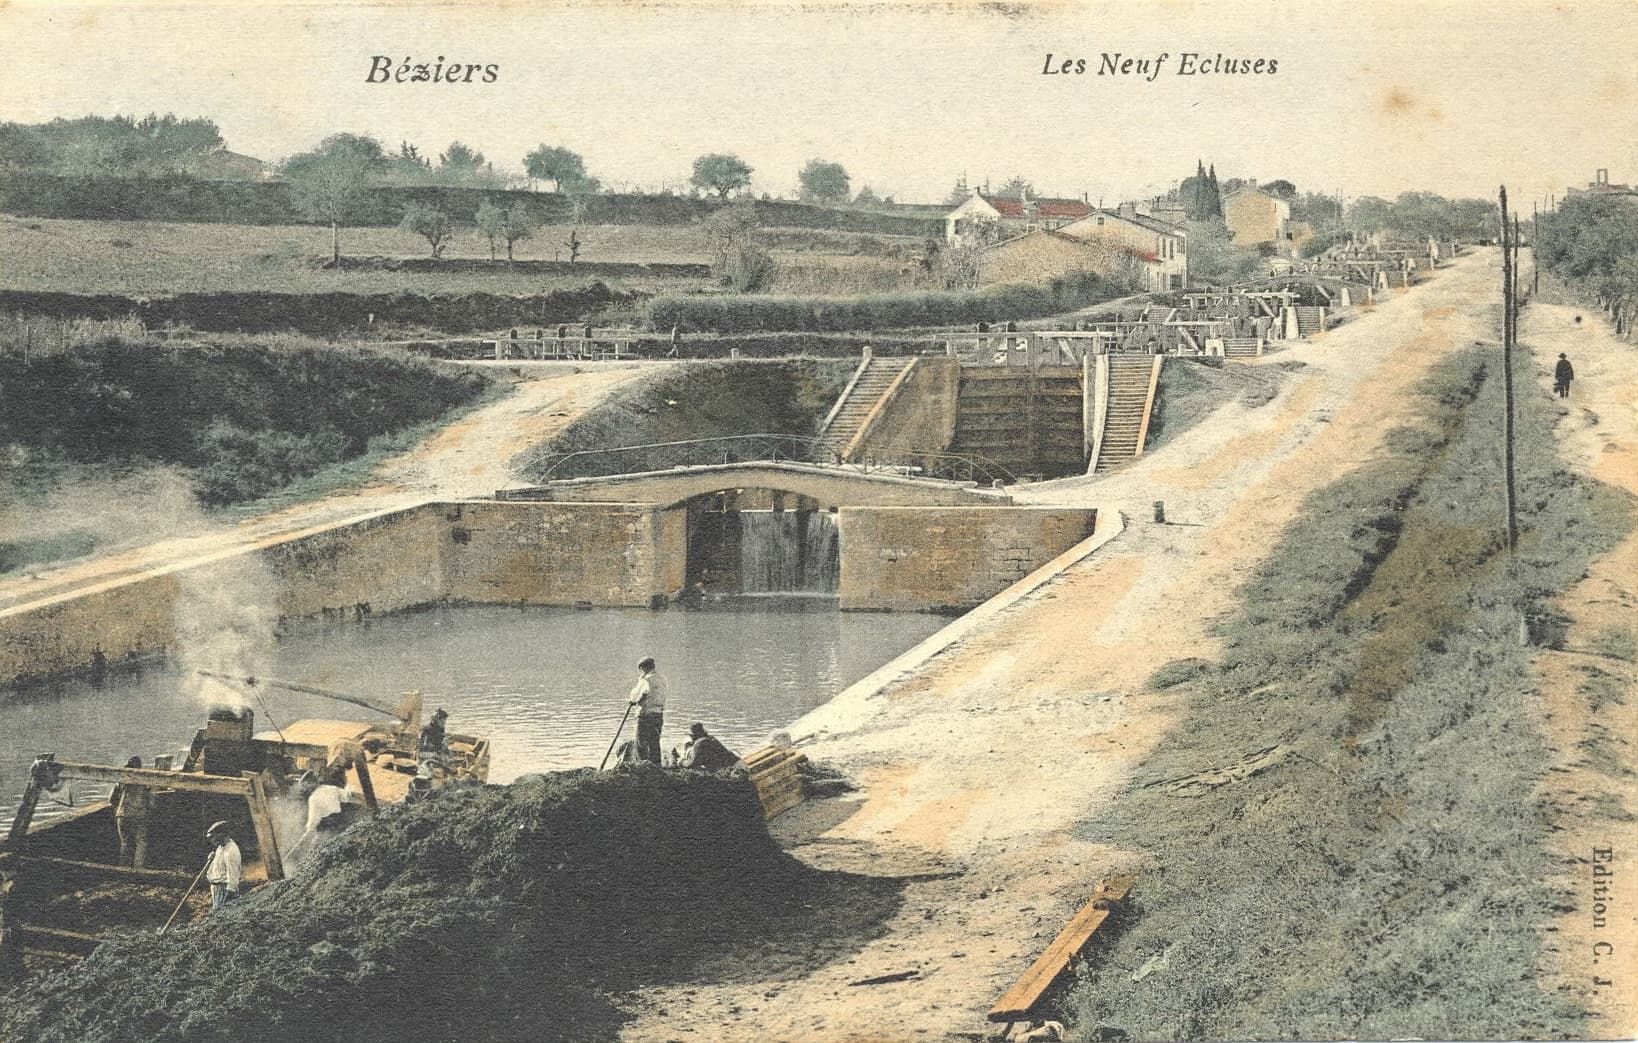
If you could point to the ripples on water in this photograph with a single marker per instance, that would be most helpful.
(547, 685)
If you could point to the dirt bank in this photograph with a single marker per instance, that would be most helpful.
(1589, 684)
(486, 912)
(985, 766)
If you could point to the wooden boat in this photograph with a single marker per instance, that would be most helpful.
(65, 881)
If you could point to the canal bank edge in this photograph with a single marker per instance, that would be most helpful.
(854, 704)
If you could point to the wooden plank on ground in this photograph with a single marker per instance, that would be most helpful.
(1051, 964)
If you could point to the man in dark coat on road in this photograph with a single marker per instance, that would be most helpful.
(1563, 373)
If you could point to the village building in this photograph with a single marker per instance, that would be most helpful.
(982, 213)
(1162, 248)
(224, 165)
(1255, 217)
(1042, 255)
(1602, 186)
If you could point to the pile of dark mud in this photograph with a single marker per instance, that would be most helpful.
(487, 912)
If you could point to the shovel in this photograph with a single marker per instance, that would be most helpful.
(616, 738)
(187, 894)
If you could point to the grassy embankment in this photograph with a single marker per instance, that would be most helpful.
(1192, 389)
(239, 420)
(1341, 839)
(699, 400)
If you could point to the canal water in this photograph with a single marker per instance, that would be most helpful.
(548, 686)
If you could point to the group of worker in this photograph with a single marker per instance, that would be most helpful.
(702, 752)
(327, 800)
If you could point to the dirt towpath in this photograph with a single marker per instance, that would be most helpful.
(979, 770)
(1589, 687)
(468, 458)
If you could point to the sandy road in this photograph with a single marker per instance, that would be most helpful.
(469, 458)
(979, 770)
(1590, 688)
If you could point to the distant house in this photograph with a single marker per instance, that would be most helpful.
(1041, 255)
(1163, 248)
(1255, 217)
(1011, 216)
(223, 165)
(1601, 186)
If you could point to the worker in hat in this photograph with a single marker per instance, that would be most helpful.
(648, 696)
(225, 867)
(705, 752)
(434, 744)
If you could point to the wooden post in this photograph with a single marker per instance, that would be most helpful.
(366, 785)
(1508, 333)
(261, 816)
(25, 810)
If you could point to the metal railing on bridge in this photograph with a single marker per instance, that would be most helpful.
(763, 448)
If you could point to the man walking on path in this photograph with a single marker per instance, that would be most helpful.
(1563, 373)
(223, 870)
(648, 695)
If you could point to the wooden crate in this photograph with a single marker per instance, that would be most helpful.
(776, 772)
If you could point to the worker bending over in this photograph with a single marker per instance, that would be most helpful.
(706, 752)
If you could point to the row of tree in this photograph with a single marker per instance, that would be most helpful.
(1591, 242)
(116, 146)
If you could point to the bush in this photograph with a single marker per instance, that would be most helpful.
(246, 417)
(734, 314)
(243, 465)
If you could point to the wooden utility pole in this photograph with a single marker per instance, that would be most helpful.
(1509, 292)
(1535, 244)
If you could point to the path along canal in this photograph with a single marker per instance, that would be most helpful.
(547, 685)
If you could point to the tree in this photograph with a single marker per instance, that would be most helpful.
(824, 182)
(491, 222)
(1016, 187)
(866, 197)
(960, 193)
(1213, 257)
(721, 173)
(332, 182)
(431, 224)
(1281, 189)
(458, 161)
(563, 168)
(510, 224)
(736, 258)
(1202, 198)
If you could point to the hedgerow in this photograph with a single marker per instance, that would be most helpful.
(752, 313)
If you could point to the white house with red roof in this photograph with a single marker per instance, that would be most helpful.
(1011, 217)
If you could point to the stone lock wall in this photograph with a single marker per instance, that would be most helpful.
(948, 559)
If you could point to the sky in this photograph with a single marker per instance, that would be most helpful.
(1454, 96)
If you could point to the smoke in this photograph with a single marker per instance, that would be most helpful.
(226, 622)
(49, 521)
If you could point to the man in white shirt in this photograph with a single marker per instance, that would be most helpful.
(324, 808)
(648, 695)
(223, 870)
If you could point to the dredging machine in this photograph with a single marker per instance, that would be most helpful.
(123, 861)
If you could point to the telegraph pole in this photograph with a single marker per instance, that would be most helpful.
(1509, 332)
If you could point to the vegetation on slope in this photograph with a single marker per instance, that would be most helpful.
(698, 400)
(1376, 870)
(242, 418)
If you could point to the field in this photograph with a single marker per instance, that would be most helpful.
(155, 257)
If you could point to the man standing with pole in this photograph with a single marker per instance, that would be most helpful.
(648, 695)
(226, 865)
